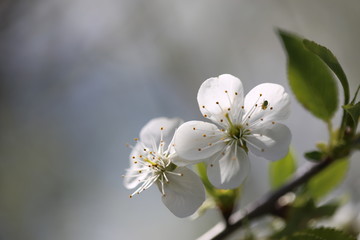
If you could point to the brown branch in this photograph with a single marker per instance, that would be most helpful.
(267, 204)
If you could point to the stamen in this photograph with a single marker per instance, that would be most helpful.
(175, 173)
(166, 179)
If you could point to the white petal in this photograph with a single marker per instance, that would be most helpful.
(183, 194)
(230, 170)
(272, 143)
(217, 95)
(158, 128)
(196, 140)
(179, 161)
(278, 103)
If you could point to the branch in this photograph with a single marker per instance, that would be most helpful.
(265, 205)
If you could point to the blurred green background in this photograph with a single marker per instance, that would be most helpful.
(79, 78)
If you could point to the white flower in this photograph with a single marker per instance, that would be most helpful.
(151, 162)
(242, 125)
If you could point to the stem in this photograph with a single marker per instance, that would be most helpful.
(267, 204)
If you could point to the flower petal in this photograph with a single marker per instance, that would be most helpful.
(196, 140)
(231, 169)
(183, 194)
(267, 101)
(157, 129)
(181, 162)
(272, 143)
(219, 96)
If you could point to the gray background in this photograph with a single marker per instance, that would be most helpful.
(79, 78)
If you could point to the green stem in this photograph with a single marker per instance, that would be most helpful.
(331, 139)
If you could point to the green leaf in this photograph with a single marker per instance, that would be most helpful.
(310, 78)
(327, 180)
(281, 170)
(303, 211)
(329, 58)
(315, 156)
(353, 111)
(321, 234)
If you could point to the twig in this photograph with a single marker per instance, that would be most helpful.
(265, 205)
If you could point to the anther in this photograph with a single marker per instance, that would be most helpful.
(228, 109)
(262, 150)
(242, 107)
(130, 196)
(139, 171)
(140, 156)
(260, 95)
(211, 165)
(204, 135)
(203, 106)
(136, 162)
(217, 102)
(144, 149)
(226, 91)
(236, 93)
(221, 120)
(136, 139)
(194, 128)
(261, 119)
(199, 149)
(255, 105)
(273, 122)
(133, 157)
(161, 128)
(210, 144)
(205, 115)
(271, 108)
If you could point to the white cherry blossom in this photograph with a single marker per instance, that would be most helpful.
(241, 125)
(151, 162)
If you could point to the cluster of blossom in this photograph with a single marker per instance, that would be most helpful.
(240, 124)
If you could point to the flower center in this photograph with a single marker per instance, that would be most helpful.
(236, 133)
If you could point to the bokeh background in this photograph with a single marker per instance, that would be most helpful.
(79, 78)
